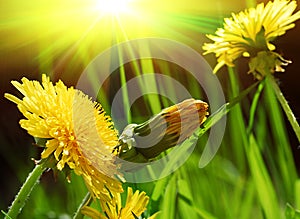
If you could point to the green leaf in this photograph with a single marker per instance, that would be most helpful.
(169, 208)
(262, 180)
(159, 188)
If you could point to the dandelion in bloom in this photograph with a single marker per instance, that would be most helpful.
(136, 204)
(250, 34)
(79, 135)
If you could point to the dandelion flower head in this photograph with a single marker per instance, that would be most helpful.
(136, 204)
(79, 134)
(250, 33)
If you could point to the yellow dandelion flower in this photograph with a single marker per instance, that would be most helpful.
(79, 134)
(135, 205)
(251, 32)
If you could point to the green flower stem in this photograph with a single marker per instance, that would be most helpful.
(284, 104)
(254, 105)
(86, 201)
(25, 190)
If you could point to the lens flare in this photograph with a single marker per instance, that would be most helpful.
(113, 6)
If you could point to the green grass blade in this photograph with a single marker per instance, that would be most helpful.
(168, 205)
(255, 102)
(281, 146)
(262, 180)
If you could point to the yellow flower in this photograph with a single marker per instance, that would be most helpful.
(135, 205)
(78, 132)
(252, 31)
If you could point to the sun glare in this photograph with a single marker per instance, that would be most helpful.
(113, 6)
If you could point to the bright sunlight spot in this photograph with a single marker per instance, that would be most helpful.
(113, 6)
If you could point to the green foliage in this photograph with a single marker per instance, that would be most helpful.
(291, 213)
(253, 174)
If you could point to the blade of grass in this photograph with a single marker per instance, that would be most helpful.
(297, 194)
(283, 154)
(236, 123)
(248, 200)
(204, 214)
(185, 200)
(150, 84)
(262, 181)
(158, 189)
(168, 205)
(254, 106)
